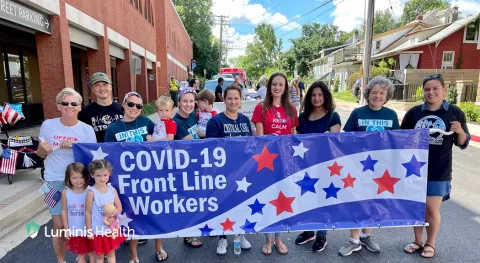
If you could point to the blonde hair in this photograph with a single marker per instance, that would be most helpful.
(68, 92)
(164, 100)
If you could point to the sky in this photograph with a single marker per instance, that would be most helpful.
(244, 15)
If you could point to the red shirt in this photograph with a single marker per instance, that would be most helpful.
(163, 128)
(275, 121)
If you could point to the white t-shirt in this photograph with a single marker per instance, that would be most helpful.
(54, 132)
(262, 92)
(160, 130)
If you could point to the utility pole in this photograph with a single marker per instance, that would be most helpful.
(223, 22)
(367, 46)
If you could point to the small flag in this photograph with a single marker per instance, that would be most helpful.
(52, 197)
(12, 113)
(9, 161)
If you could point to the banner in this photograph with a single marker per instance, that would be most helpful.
(246, 108)
(269, 183)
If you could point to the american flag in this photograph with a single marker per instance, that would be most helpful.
(9, 161)
(12, 113)
(52, 197)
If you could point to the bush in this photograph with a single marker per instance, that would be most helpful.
(336, 84)
(452, 96)
(472, 112)
(149, 108)
(418, 94)
(352, 79)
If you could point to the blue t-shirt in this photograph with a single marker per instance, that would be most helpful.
(134, 131)
(321, 125)
(221, 126)
(366, 119)
(186, 126)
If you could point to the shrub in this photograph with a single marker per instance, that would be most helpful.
(351, 80)
(452, 95)
(472, 112)
(418, 94)
(336, 84)
(149, 108)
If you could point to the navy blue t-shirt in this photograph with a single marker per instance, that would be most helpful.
(321, 125)
(220, 126)
(186, 126)
(366, 119)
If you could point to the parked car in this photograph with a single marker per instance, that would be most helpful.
(225, 76)
(397, 93)
(212, 84)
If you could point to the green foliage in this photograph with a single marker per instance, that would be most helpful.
(383, 21)
(459, 62)
(383, 64)
(418, 94)
(379, 71)
(352, 79)
(472, 112)
(452, 95)
(336, 84)
(392, 63)
(420, 7)
(344, 95)
(149, 108)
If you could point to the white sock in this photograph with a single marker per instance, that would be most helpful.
(356, 241)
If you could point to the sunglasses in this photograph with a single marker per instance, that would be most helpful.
(66, 103)
(433, 76)
(131, 104)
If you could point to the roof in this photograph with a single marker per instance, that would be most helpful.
(426, 29)
(411, 25)
(436, 38)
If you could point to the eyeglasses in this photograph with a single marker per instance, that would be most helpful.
(433, 76)
(66, 103)
(131, 104)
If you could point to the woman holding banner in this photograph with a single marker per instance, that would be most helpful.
(57, 136)
(187, 129)
(227, 124)
(133, 128)
(318, 116)
(276, 115)
(436, 113)
(371, 117)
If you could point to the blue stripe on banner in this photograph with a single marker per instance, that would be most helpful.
(186, 183)
(365, 214)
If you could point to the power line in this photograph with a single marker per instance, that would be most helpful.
(391, 8)
(309, 12)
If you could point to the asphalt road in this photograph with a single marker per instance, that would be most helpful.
(457, 241)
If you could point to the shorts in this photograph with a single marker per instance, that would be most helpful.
(439, 188)
(59, 185)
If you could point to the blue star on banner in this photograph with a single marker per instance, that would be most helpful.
(307, 184)
(249, 227)
(257, 207)
(206, 230)
(331, 191)
(413, 167)
(369, 163)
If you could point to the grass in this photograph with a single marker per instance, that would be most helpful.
(149, 108)
(344, 95)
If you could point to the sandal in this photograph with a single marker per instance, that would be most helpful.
(428, 253)
(410, 249)
(267, 249)
(190, 240)
(282, 249)
(162, 255)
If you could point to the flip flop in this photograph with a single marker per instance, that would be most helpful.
(189, 242)
(409, 249)
(162, 255)
(282, 249)
(425, 253)
(267, 249)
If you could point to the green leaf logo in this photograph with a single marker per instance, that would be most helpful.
(32, 229)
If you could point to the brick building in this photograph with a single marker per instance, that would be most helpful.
(46, 45)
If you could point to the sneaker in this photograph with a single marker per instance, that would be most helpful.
(320, 244)
(244, 244)
(370, 244)
(142, 241)
(349, 248)
(305, 237)
(222, 246)
(134, 261)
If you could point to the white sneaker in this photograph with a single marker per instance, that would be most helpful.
(222, 246)
(134, 261)
(244, 244)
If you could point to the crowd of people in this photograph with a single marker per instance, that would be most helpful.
(87, 188)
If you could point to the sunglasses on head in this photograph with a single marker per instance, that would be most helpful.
(66, 103)
(131, 104)
(430, 77)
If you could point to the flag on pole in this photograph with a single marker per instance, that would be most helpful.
(9, 161)
(52, 197)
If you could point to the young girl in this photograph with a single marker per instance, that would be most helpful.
(73, 211)
(99, 195)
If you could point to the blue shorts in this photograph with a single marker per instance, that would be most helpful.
(57, 209)
(439, 188)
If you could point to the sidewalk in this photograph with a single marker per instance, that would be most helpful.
(474, 129)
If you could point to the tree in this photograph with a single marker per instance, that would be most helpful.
(414, 8)
(383, 21)
(197, 18)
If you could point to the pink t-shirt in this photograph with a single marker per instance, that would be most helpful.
(275, 121)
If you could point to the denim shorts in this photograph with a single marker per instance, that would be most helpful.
(59, 185)
(439, 188)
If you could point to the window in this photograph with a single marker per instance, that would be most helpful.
(447, 60)
(377, 44)
(470, 34)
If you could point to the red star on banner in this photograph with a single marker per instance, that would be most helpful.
(348, 181)
(227, 225)
(265, 159)
(335, 169)
(283, 203)
(386, 183)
